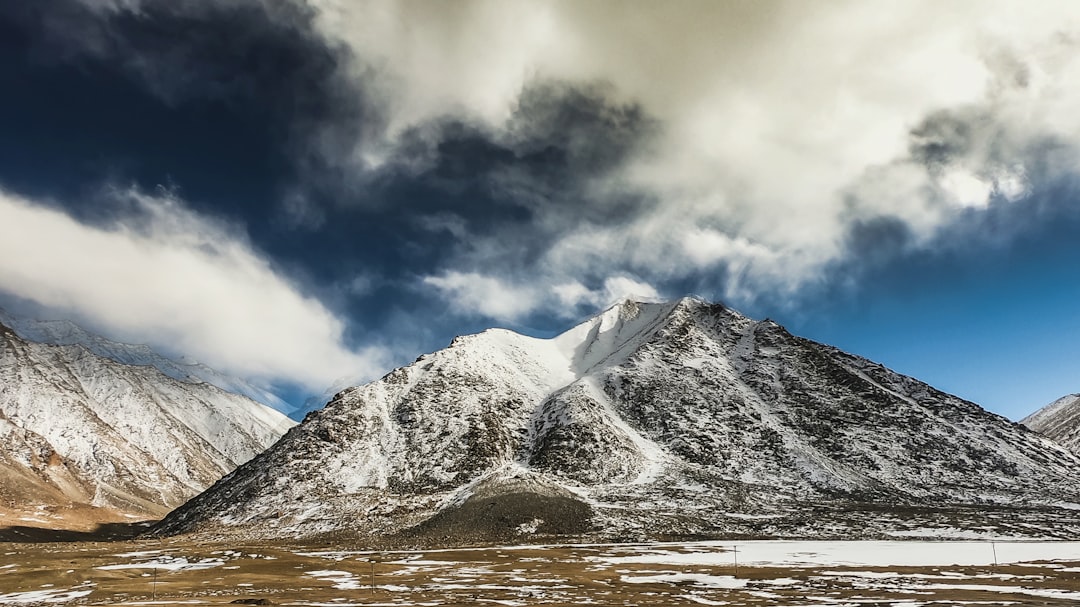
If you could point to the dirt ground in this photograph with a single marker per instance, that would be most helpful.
(68, 523)
(178, 572)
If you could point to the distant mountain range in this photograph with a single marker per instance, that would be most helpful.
(79, 429)
(683, 419)
(67, 333)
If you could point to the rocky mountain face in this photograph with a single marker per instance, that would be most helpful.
(1060, 420)
(684, 419)
(67, 333)
(80, 429)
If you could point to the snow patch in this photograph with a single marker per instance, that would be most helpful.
(698, 579)
(43, 596)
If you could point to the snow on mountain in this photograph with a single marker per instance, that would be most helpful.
(84, 429)
(67, 333)
(647, 421)
(31, 473)
(1060, 420)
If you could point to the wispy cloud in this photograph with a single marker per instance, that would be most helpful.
(186, 283)
(474, 294)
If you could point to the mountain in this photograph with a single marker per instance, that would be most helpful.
(67, 333)
(1060, 420)
(82, 430)
(683, 419)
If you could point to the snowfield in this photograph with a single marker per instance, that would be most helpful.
(849, 554)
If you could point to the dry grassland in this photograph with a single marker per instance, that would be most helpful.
(178, 572)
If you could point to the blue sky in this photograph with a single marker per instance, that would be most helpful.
(297, 192)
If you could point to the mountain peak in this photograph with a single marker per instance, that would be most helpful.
(646, 420)
(86, 430)
(631, 307)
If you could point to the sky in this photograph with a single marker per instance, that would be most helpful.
(309, 192)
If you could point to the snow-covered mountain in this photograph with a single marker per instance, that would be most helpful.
(648, 420)
(78, 428)
(67, 333)
(1060, 420)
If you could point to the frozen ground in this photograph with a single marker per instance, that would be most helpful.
(854, 554)
(906, 573)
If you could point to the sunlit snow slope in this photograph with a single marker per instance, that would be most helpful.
(649, 420)
(77, 428)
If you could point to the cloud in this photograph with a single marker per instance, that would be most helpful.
(157, 271)
(471, 294)
(615, 288)
(749, 148)
(779, 127)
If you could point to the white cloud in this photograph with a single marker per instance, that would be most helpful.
(965, 189)
(186, 284)
(773, 113)
(615, 288)
(571, 294)
(471, 293)
(623, 287)
(781, 123)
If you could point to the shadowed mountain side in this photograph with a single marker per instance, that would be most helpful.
(103, 532)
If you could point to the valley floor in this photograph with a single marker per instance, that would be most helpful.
(908, 573)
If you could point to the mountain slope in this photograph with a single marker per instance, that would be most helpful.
(82, 429)
(649, 420)
(67, 333)
(1060, 420)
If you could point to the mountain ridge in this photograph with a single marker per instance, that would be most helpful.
(68, 333)
(684, 418)
(84, 430)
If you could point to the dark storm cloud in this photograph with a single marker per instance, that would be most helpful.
(522, 185)
(245, 52)
(942, 137)
(228, 100)
(591, 132)
(877, 239)
(559, 137)
(492, 201)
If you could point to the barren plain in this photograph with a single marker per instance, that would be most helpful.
(178, 572)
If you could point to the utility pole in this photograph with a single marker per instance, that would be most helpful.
(155, 582)
(735, 551)
(993, 546)
(372, 561)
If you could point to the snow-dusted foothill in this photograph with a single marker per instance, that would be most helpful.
(79, 428)
(1060, 420)
(683, 419)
